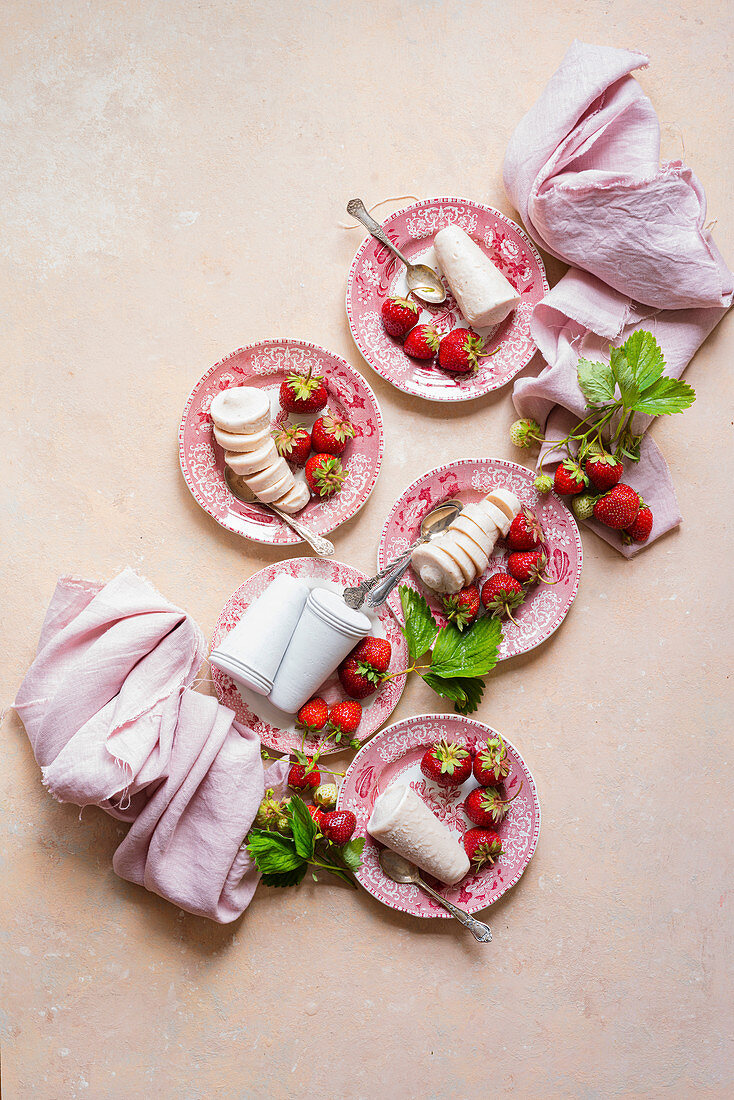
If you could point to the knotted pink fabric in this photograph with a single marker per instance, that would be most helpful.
(112, 720)
(583, 170)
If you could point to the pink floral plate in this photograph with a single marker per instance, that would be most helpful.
(395, 754)
(265, 366)
(469, 479)
(274, 728)
(375, 274)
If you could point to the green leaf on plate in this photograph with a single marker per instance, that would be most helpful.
(303, 826)
(273, 853)
(420, 626)
(469, 653)
(596, 382)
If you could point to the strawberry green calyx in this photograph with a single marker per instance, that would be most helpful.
(583, 505)
(451, 757)
(369, 672)
(494, 759)
(543, 483)
(338, 427)
(524, 432)
(286, 437)
(406, 303)
(475, 348)
(303, 385)
(329, 477)
(574, 469)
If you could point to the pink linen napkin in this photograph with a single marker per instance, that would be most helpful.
(112, 721)
(583, 170)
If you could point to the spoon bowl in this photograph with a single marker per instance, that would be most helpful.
(239, 488)
(422, 280)
(402, 870)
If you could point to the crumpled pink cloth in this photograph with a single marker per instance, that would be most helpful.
(583, 170)
(112, 721)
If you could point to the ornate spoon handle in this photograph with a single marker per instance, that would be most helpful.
(479, 931)
(357, 209)
(322, 546)
(356, 596)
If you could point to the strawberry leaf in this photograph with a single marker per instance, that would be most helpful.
(303, 827)
(644, 357)
(624, 376)
(596, 382)
(420, 626)
(273, 853)
(285, 878)
(464, 692)
(351, 853)
(469, 653)
(665, 396)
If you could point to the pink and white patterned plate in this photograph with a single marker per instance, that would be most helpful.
(274, 728)
(375, 274)
(469, 479)
(265, 365)
(395, 753)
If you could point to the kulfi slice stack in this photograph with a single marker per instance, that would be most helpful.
(456, 558)
(241, 417)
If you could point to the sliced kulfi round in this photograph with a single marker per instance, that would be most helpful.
(453, 547)
(241, 409)
(401, 820)
(507, 501)
(484, 295)
(436, 569)
(251, 462)
(234, 441)
(268, 477)
(295, 499)
(476, 555)
(475, 522)
(279, 489)
(496, 516)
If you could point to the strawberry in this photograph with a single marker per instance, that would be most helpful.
(267, 812)
(313, 715)
(618, 508)
(460, 351)
(501, 594)
(363, 670)
(301, 776)
(583, 505)
(603, 471)
(326, 795)
(303, 393)
(525, 531)
(339, 825)
(463, 608)
(569, 478)
(344, 717)
(317, 814)
(330, 434)
(325, 475)
(354, 681)
(491, 765)
(524, 432)
(543, 484)
(485, 805)
(639, 531)
(375, 652)
(399, 315)
(482, 846)
(293, 443)
(528, 566)
(422, 342)
(447, 763)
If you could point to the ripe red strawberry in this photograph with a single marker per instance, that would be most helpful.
(331, 433)
(344, 717)
(460, 351)
(486, 806)
(525, 531)
(501, 594)
(640, 530)
(303, 393)
(492, 764)
(618, 508)
(338, 826)
(375, 652)
(422, 342)
(528, 566)
(399, 315)
(325, 475)
(313, 715)
(569, 478)
(482, 846)
(463, 608)
(604, 471)
(299, 776)
(318, 815)
(363, 670)
(447, 763)
(293, 443)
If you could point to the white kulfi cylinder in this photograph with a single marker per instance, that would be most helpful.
(325, 634)
(401, 820)
(254, 648)
(484, 295)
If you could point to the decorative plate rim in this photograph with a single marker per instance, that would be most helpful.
(290, 537)
(366, 244)
(473, 723)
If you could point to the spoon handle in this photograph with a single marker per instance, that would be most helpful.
(381, 591)
(479, 931)
(322, 546)
(356, 209)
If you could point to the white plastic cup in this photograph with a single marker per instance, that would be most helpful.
(254, 648)
(326, 632)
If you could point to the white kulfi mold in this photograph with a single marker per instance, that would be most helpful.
(484, 295)
(401, 820)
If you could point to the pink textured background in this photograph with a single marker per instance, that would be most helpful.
(171, 178)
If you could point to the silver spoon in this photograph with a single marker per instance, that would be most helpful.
(240, 489)
(400, 870)
(436, 521)
(422, 280)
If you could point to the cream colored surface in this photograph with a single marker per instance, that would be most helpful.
(172, 179)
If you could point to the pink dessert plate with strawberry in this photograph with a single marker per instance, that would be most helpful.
(546, 605)
(266, 365)
(375, 275)
(395, 754)
(275, 729)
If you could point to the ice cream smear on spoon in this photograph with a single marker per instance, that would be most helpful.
(484, 295)
(401, 820)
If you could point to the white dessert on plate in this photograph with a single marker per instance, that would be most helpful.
(484, 295)
(250, 441)
(241, 410)
(401, 820)
(251, 462)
